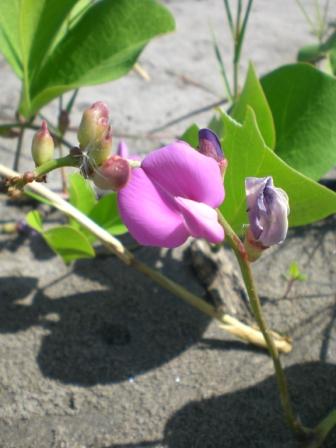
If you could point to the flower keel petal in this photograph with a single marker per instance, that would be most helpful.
(200, 220)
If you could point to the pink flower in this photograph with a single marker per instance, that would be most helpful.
(172, 196)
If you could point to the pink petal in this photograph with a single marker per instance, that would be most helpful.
(201, 220)
(182, 171)
(150, 214)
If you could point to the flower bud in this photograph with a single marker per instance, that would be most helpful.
(93, 125)
(114, 174)
(42, 145)
(210, 146)
(268, 211)
(100, 150)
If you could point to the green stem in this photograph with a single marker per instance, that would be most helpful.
(71, 101)
(306, 16)
(54, 164)
(239, 35)
(229, 16)
(245, 267)
(323, 429)
(18, 150)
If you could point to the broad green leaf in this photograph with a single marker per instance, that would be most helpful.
(73, 17)
(69, 243)
(27, 31)
(10, 44)
(103, 45)
(66, 241)
(34, 220)
(40, 22)
(303, 104)
(253, 95)
(248, 155)
(190, 135)
(106, 214)
(81, 194)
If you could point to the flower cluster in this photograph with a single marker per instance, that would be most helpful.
(174, 192)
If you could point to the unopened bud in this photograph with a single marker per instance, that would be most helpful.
(94, 123)
(114, 174)
(210, 146)
(100, 150)
(42, 145)
(268, 210)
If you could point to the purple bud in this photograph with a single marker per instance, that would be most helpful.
(94, 123)
(114, 174)
(210, 146)
(42, 145)
(268, 210)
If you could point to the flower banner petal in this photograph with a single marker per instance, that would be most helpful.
(182, 171)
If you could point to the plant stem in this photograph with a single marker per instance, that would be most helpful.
(54, 164)
(306, 16)
(323, 429)
(221, 66)
(245, 267)
(239, 34)
(230, 324)
(71, 101)
(229, 16)
(59, 131)
(18, 149)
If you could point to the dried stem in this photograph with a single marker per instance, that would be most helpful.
(230, 324)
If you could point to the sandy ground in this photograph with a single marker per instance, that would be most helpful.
(95, 355)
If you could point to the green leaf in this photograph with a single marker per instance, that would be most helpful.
(190, 135)
(9, 34)
(66, 241)
(313, 52)
(253, 95)
(309, 53)
(332, 59)
(248, 155)
(106, 214)
(303, 104)
(69, 243)
(81, 193)
(34, 220)
(102, 45)
(216, 124)
(28, 28)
